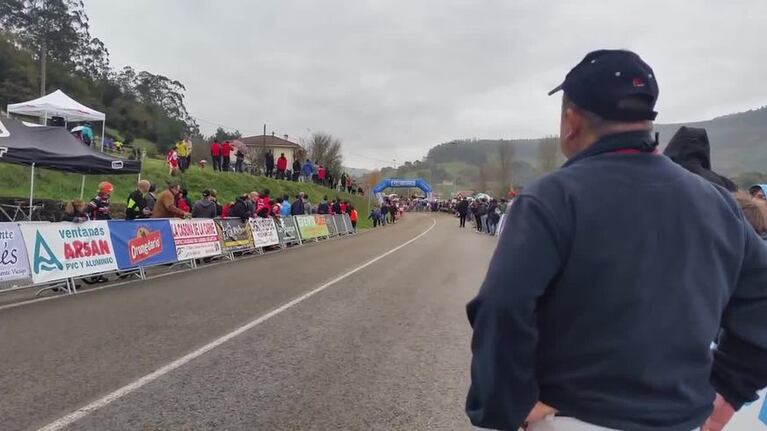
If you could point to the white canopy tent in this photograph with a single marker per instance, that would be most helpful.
(58, 104)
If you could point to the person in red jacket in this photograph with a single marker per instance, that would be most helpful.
(353, 217)
(344, 207)
(321, 174)
(215, 154)
(282, 166)
(226, 153)
(264, 204)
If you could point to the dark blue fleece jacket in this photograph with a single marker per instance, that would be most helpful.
(611, 278)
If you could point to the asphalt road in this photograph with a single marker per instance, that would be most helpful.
(385, 348)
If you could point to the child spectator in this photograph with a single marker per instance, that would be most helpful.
(353, 217)
(264, 206)
(98, 207)
(285, 207)
(183, 201)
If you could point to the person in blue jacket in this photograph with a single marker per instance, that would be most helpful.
(613, 276)
(307, 170)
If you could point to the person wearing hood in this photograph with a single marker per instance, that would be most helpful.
(241, 208)
(297, 207)
(205, 207)
(323, 207)
(690, 149)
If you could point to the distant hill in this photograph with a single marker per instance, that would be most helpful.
(357, 172)
(738, 144)
(738, 141)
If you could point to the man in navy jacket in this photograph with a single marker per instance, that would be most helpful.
(612, 278)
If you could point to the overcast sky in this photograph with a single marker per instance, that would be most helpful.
(393, 78)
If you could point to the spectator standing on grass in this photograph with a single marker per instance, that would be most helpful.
(321, 173)
(282, 166)
(98, 207)
(343, 206)
(297, 207)
(171, 159)
(296, 169)
(226, 155)
(181, 152)
(307, 170)
(215, 154)
(605, 308)
(136, 205)
(285, 206)
(75, 211)
(269, 163)
(87, 134)
(214, 198)
(308, 208)
(252, 202)
(205, 207)
(166, 203)
(239, 161)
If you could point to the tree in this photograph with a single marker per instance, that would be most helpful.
(506, 153)
(57, 29)
(548, 154)
(324, 149)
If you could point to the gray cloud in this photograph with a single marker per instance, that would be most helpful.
(392, 78)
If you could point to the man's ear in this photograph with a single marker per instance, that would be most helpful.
(573, 123)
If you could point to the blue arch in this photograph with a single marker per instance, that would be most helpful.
(402, 183)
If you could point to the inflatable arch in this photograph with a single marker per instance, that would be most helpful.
(398, 183)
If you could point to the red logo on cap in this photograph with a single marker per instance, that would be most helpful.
(638, 82)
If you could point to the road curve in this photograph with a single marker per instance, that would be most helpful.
(386, 347)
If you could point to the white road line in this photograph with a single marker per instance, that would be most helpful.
(84, 411)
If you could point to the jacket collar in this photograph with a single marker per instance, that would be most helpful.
(641, 141)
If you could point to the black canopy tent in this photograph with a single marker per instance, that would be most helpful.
(55, 148)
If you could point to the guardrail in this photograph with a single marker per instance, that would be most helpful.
(52, 255)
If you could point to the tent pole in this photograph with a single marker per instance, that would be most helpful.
(82, 188)
(103, 129)
(31, 190)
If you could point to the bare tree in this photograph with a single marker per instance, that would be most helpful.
(324, 149)
(548, 154)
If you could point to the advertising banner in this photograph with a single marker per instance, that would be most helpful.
(13, 255)
(286, 229)
(142, 242)
(340, 225)
(57, 251)
(235, 234)
(311, 227)
(332, 227)
(195, 239)
(264, 232)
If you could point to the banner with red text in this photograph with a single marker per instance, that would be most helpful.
(195, 239)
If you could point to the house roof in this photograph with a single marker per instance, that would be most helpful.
(269, 141)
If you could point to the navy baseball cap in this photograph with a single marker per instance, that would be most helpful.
(614, 84)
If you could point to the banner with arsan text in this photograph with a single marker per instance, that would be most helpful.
(13, 254)
(142, 242)
(195, 239)
(264, 232)
(57, 251)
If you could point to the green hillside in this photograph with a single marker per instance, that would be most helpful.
(65, 186)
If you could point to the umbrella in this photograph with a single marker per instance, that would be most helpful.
(76, 129)
(240, 146)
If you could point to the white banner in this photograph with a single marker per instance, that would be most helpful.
(264, 232)
(61, 250)
(13, 256)
(196, 238)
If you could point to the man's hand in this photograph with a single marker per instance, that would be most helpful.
(722, 414)
(539, 412)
